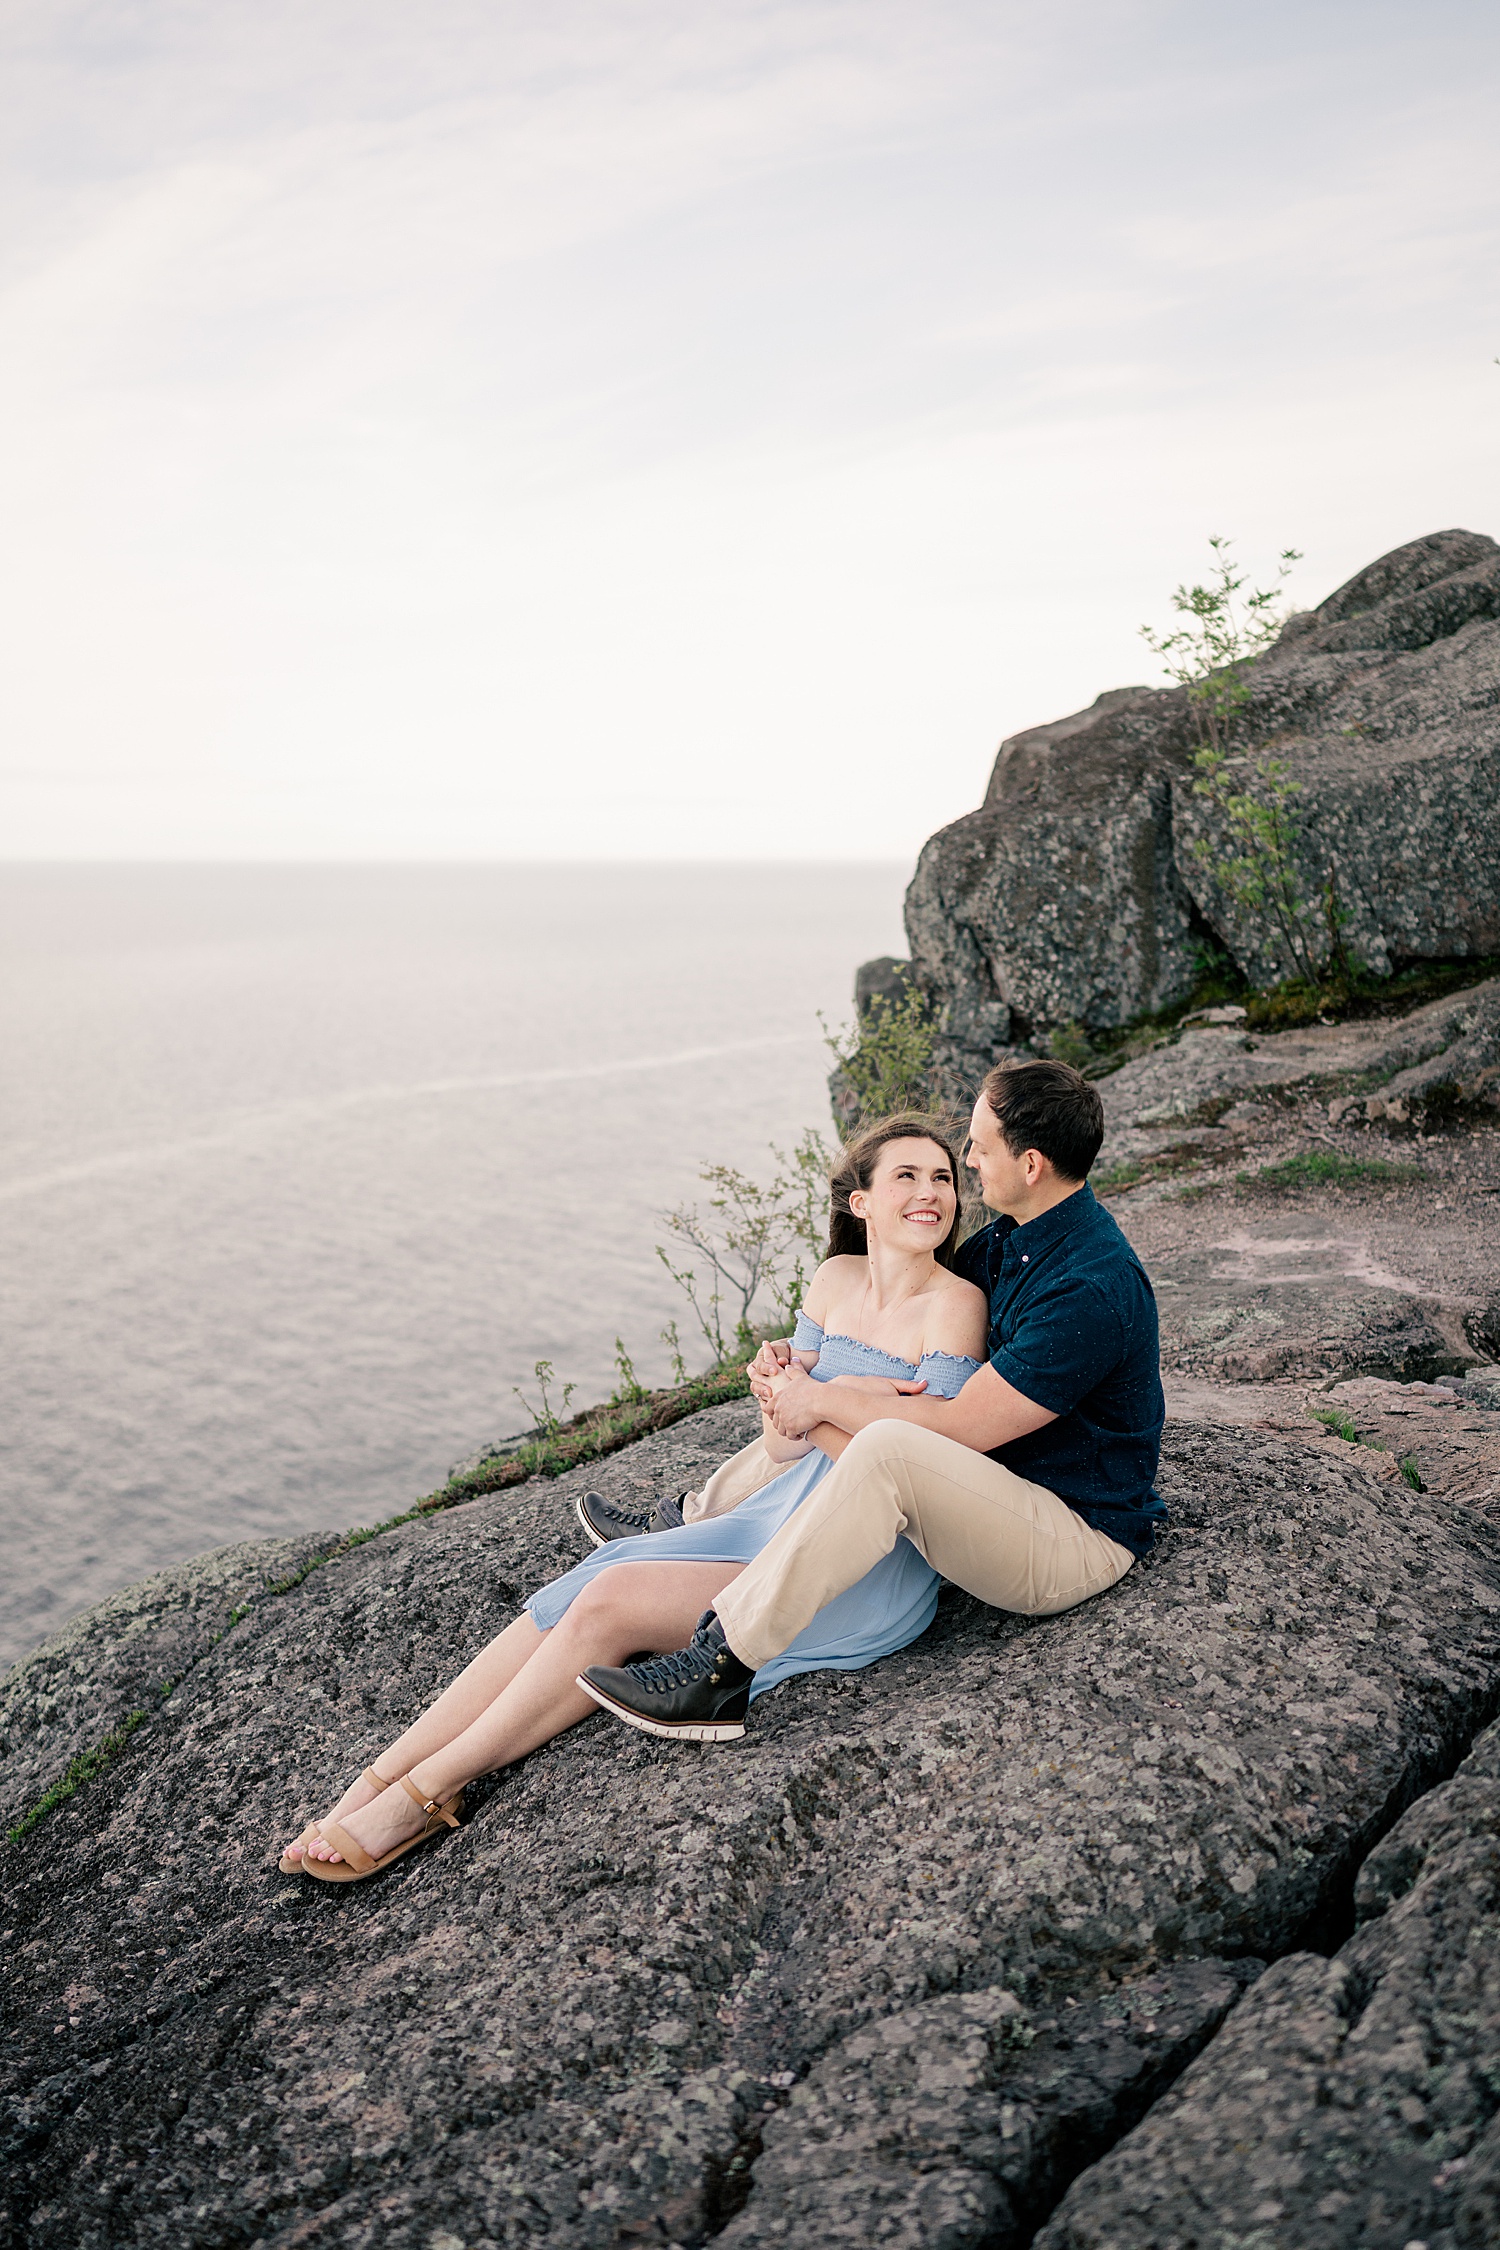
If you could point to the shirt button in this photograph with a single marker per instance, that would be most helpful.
(1025, 1258)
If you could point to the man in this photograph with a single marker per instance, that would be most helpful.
(1031, 1489)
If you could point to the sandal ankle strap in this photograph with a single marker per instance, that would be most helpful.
(428, 1805)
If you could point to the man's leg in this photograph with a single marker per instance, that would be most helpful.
(1013, 1543)
(747, 1472)
(743, 1474)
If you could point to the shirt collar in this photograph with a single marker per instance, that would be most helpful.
(1040, 1233)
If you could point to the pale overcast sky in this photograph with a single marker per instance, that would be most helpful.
(663, 428)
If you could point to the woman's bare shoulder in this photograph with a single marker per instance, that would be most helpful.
(958, 1320)
(836, 1282)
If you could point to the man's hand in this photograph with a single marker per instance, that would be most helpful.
(987, 1413)
(800, 1403)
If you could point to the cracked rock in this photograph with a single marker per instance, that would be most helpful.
(1349, 2101)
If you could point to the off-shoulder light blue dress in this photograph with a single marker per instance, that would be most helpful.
(891, 1604)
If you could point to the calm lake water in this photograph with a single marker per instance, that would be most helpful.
(301, 1169)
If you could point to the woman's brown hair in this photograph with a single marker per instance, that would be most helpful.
(855, 1169)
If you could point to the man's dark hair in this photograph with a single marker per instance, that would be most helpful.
(1048, 1106)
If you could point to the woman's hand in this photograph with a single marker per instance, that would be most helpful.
(765, 1372)
(768, 1363)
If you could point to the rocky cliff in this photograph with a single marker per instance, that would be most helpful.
(900, 1968)
(1074, 894)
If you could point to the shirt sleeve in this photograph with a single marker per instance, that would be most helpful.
(807, 1335)
(1066, 1340)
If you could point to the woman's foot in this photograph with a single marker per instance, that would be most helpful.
(359, 1794)
(379, 1825)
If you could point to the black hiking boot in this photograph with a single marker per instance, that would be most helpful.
(605, 1520)
(697, 1694)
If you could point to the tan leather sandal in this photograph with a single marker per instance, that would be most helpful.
(290, 1866)
(356, 1862)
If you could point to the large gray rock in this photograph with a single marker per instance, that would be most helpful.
(1075, 892)
(1350, 2101)
(578, 2021)
(1059, 900)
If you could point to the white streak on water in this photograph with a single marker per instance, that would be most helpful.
(300, 1113)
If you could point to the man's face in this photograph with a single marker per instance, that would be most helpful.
(1005, 1181)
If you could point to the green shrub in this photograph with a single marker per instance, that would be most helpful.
(752, 1248)
(885, 1059)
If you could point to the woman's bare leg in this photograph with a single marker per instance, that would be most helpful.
(475, 1689)
(533, 1696)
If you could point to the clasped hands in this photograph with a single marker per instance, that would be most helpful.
(794, 1401)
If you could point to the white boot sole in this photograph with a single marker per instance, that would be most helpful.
(599, 1538)
(696, 1730)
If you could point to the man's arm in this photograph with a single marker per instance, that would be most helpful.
(988, 1412)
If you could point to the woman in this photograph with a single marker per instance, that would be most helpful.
(883, 1307)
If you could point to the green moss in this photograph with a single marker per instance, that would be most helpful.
(1281, 1007)
(1115, 1178)
(1358, 993)
(1161, 1163)
(1333, 1418)
(1330, 1168)
(85, 1767)
(589, 1437)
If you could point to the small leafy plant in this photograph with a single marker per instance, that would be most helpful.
(1252, 857)
(629, 1390)
(673, 1342)
(752, 1247)
(546, 1419)
(1225, 629)
(884, 1061)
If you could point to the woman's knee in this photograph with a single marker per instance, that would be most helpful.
(598, 1599)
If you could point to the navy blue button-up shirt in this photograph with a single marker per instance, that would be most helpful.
(1073, 1326)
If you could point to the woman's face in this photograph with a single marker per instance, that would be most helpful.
(910, 1202)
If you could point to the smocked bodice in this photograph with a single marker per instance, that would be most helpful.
(944, 1373)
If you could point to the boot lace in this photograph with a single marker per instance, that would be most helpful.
(659, 1674)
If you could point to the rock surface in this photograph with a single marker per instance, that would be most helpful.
(1449, 1436)
(1293, 1238)
(1420, 1068)
(119, 1658)
(1350, 2101)
(1074, 894)
(578, 2021)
